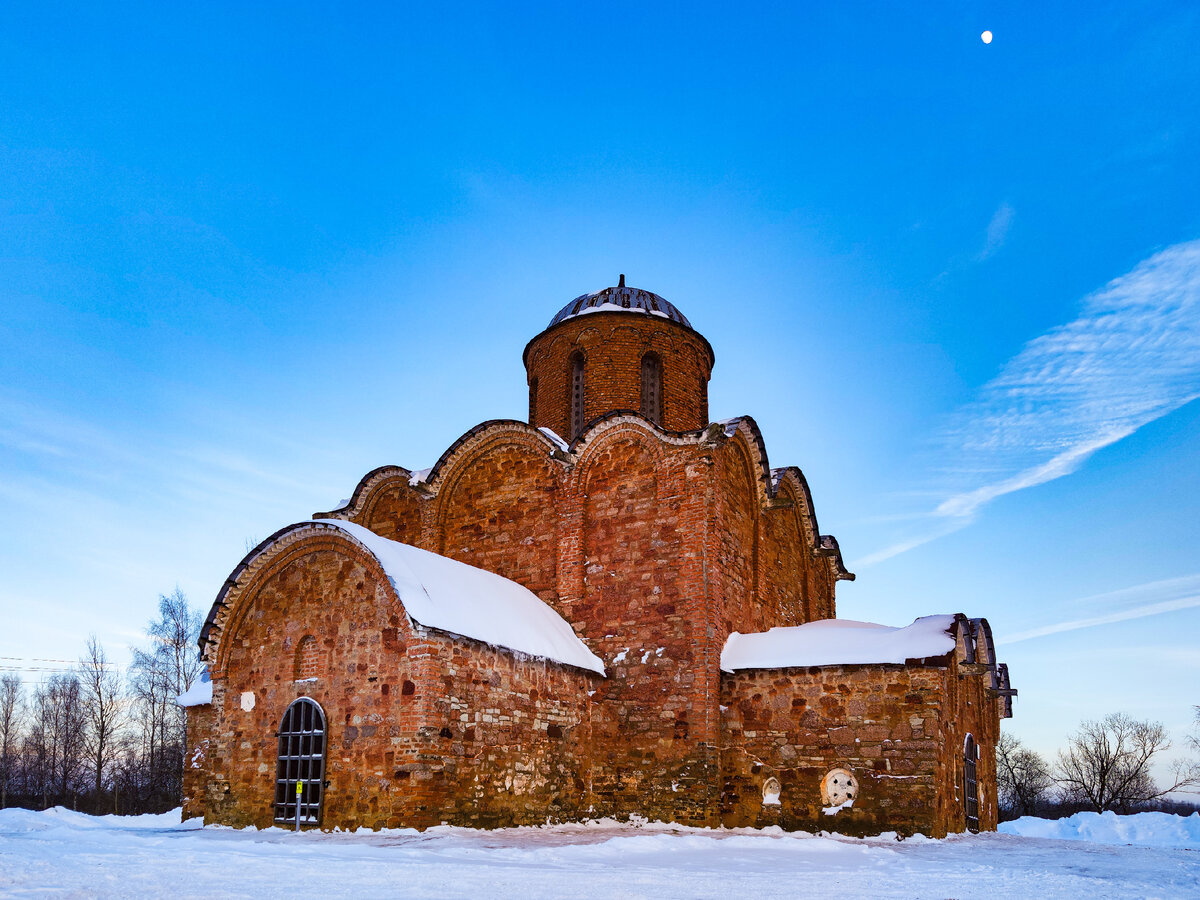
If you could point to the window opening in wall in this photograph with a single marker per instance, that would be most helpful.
(533, 386)
(703, 402)
(652, 387)
(771, 792)
(300, 764)
(970, 784)
(577, 394)
(308, 660)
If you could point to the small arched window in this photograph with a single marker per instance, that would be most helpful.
(970, 784)
(578, 366)
(533, 386)
(300, 767)
(652, 387)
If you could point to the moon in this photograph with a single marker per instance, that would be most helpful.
(986, 37)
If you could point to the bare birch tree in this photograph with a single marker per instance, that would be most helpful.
(11, 704)
(159, 675)
(55, 738)
(104, 710)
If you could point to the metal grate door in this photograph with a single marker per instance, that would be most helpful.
(301, 764)
(970, 785)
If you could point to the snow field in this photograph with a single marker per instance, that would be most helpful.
(58, 853)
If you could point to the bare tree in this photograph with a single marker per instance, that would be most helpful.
(103, 708)
(55, 739)
(1023, 778)
(1106, 765)
(11, 702)
(159, 675)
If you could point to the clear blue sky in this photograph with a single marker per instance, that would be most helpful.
(247, 255)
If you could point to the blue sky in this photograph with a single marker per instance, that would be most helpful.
(248, 255)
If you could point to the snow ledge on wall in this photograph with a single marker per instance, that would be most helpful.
(451, 596)
(199, 694)
(838, 642)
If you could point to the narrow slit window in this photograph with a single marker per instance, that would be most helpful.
(533, 391)
(300, 768)
(577, 394)
(652, 387)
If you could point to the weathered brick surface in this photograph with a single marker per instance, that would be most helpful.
(497, 511)
(898, 729)
(654, 546)
(422, 728)
(613, 345)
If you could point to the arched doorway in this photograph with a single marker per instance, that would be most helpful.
(971, 784)
(300, 766)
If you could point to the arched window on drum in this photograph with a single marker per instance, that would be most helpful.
(652, 399)
(578, 366)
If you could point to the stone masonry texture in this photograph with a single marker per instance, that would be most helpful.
(655, 543)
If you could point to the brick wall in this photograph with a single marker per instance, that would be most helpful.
(495, 509)
(653, 547)
(422, 728)
(898, 729)
(613, 344)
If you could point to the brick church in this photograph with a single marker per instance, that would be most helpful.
(617, 608)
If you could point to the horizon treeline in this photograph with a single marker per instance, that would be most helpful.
(99, 741)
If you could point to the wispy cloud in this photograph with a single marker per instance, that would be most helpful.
(1130, 357)
(997, 231)
(1137, 602)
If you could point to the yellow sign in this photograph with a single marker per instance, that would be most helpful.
(299, 787)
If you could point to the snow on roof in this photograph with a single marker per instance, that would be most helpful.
(448, 595)
(838, 642)
(553, 436)
(199, 694)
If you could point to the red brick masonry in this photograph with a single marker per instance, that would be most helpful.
(654, 543)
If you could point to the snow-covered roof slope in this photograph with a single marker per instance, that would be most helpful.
(838, 642)
(199, 694)
(452, 596)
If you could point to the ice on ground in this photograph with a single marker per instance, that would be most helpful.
(1146, 829)
(448, 595)
(838, 642)
(59, 853)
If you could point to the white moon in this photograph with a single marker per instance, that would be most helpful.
(986, 37)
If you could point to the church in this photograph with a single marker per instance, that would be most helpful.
(617, 608)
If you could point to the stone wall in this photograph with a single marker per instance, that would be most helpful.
(891, 727)
(421, 727)
(654, 547)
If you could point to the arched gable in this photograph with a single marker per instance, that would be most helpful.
(599, 434)
(738, 510)
(318, 567)
(388, 502)
(497, 494)
(822, 545)
(785, 556)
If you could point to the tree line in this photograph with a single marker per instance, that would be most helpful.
(92, 740)
(1106, 766)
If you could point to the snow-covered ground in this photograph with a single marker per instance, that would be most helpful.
(59, 853)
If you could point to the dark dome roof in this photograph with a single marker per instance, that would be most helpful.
(620, 298)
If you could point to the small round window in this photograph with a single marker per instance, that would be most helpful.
(838, 788)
